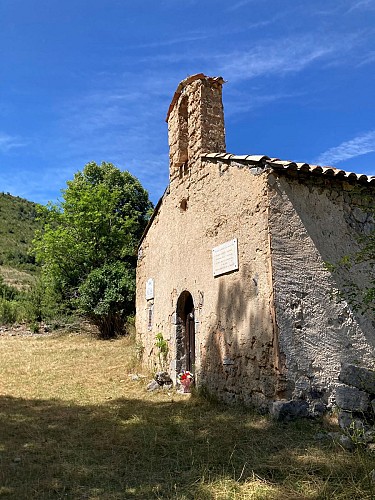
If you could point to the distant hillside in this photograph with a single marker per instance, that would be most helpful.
(17, 227)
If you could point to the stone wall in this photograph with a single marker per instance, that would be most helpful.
(236, 351)
(314, 220)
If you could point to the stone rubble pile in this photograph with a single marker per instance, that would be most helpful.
(307, 401)
(354, 400)
(161, 380)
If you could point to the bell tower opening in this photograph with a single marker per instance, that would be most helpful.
(195, 123)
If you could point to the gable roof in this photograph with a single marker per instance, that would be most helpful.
(283, 166)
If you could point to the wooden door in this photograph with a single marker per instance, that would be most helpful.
(190, 341)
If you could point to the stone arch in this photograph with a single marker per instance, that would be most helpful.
(185, 333)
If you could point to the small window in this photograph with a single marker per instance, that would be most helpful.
(150, 314)
(183, 205)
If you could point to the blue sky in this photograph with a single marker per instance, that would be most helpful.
(92, 80)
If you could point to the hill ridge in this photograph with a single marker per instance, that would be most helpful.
(18, 222)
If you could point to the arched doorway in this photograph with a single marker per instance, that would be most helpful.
(185, 333)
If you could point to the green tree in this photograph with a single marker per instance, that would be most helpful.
(87, 246)
(106, 296)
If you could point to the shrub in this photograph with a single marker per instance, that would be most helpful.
(106, 297)
(8, 312)
(6, 292)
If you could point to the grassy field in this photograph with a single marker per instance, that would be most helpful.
(75, 425)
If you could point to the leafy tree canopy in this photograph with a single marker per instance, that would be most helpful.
(89, 239)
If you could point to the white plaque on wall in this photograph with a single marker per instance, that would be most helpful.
(149, 289)
(225, 257)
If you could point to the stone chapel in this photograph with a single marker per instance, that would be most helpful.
(232, 268)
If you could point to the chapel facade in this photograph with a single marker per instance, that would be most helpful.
(232, 268)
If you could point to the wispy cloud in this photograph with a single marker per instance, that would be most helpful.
(239, 4)
(368, 59)
(174, 41)
(198, 36)
(360, 145)
(239, 103)
(122, 123)
(290, 55)
(111, 118)
(362, 5)
(8, 142)
(39, 187)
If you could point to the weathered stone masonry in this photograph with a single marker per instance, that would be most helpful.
(314, 221)
(274, 327)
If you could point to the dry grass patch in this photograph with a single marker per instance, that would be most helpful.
(75, 425)
(20, 280)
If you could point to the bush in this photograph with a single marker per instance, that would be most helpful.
(34, 327)
(9, 312)
(6, 292)
(106, 297)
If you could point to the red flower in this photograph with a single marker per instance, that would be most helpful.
(185, 375)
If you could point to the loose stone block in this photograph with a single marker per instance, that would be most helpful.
(317, 409)
(289, 410)
(352, 399)
(345, 418)
(346, 442)
(163, 378)
(153, 386)
(359, 377)
(369, 436)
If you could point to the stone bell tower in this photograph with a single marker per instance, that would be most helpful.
(195, 123)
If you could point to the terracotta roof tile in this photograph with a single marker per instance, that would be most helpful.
(258, 158)
(287, 165)
(240, 157)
